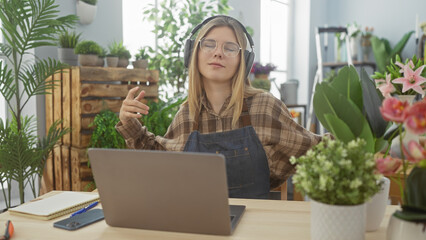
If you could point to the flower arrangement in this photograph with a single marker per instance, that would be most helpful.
(413, 156)
(402, 79)
(262, 69)
(337, 173)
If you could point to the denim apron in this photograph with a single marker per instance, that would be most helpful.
(247, 167)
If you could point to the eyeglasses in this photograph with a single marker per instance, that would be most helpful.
(229, 49)
(9, 231)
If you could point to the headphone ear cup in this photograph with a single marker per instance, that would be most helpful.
(189, 44)
(249, 60)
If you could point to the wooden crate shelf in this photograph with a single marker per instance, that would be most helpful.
(80, 94)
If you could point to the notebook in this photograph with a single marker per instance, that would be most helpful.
(166, 191)
(55, 206)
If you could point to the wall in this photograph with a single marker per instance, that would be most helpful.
(248, 13)
(105, 28)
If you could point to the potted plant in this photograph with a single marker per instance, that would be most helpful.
(22, 153)
(339, 178)
(348, 107)
(86, 10)
(101, 57)
(383, 52)
(262, 71)
(142, 58)
(88, 52)
(112, 56)
(67, 42)
(123, 55)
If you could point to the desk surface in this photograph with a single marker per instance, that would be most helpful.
(263, 219)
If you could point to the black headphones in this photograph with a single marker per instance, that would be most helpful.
(248, 55)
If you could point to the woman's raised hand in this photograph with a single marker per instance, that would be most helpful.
(132, 107)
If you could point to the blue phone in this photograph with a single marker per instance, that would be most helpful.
(80, 220)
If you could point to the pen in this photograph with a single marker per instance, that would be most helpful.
(85, 209)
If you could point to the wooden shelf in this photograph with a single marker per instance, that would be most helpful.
(355, 63)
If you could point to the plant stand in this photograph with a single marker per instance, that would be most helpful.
(82, 92)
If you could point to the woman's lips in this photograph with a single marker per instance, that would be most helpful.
(216, 65)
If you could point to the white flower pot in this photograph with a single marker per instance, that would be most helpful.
(399, 229)
(86, 12)
(337, 222)
(376, 207)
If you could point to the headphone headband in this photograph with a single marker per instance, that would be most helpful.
(190, 43)
(216, 16)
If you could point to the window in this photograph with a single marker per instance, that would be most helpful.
(274, 38)
(137, 33)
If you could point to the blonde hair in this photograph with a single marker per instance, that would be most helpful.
(240, 87)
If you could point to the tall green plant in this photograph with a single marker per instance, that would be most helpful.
(383, 52)
(27, 24)
(68, 39)
(174, 21)
(349, 108)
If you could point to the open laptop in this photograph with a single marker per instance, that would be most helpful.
(166, 191)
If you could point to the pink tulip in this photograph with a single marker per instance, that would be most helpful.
(385, 86)
(393, 110)
(388, 165)
(415, 152)
(411, 79)
(415, 119)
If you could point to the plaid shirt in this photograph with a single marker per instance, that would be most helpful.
(280, 136)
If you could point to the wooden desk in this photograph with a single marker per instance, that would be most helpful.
(263, 219)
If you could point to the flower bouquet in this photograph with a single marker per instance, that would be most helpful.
(413, 157)
(402, 79)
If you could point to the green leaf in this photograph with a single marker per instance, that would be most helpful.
(339, 128)
(372, 103)
(380, 53)
(328, 101)
(347, 83)
(401, 44)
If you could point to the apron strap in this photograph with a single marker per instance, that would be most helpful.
(244, 117)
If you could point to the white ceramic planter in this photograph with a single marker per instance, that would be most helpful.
(376, 207)
(334, 222)
(399, 229)
(86, 12)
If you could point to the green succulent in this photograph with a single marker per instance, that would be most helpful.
(91, 2)
(88, 47)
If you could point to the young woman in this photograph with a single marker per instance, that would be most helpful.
(224, 114)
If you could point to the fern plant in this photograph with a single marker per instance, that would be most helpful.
(27, 24)
(104, 135)
(161, 114)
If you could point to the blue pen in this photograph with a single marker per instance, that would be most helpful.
(85, 209)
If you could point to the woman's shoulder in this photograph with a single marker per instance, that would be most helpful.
(265, 98)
